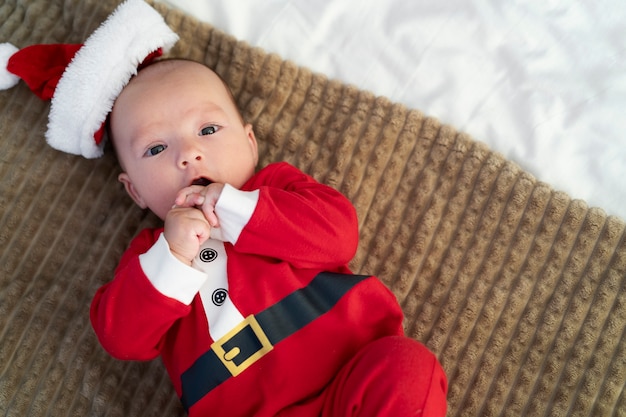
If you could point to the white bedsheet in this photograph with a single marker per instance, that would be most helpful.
(541, 81)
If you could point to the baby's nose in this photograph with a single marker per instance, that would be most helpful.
(186, 159)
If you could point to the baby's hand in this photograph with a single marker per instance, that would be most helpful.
(186, 229)
(204, 198)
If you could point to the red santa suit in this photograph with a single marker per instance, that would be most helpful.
(269, 320)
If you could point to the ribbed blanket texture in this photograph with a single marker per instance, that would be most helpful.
(519, 289)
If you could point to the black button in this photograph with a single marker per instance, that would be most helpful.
(208, 255)
(219, 296)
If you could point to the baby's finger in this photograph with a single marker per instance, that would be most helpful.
(189, 198)
(210, 217)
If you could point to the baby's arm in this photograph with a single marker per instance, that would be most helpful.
(150, 292)
(293, 219)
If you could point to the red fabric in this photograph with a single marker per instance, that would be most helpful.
(392, 376)
(150, 58)
(99, 134)
(277, 253)
(41, 66)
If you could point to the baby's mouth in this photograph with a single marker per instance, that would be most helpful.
(201, 181)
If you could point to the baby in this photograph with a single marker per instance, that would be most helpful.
(245, 291)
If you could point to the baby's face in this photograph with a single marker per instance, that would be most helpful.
(175, 125)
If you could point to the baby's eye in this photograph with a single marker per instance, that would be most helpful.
(209, 130)
(155, 150)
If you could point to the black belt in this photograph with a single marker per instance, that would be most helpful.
(258, 333)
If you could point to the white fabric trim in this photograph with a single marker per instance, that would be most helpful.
(222, 317)
(169, 276)
(7, 79)
(234, 209)
(99, 71)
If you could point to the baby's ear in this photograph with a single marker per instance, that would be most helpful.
(252, 140)
(130, 189)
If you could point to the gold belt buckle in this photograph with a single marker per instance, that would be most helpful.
(237, 356)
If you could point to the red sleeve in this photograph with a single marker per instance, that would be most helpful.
(299, 220)
(129, 315)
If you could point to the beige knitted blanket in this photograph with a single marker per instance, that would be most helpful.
(520, 290)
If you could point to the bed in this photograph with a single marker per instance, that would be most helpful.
(481, 144)
(543, 83)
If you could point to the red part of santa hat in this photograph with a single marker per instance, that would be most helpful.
(83, 81)
(41, 66)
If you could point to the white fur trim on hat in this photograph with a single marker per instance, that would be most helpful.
(7, 79)
(99, 71)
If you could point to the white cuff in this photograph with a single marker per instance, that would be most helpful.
(170, 276)
(234, 209)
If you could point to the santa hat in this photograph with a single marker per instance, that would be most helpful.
(83, 81)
